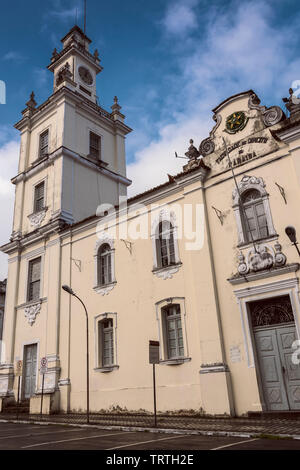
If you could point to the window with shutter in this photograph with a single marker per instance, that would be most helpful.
(254, 217)
(106, 342)
(165, 244)
(104, 265)
(173, 329)
(44, 144)
(39, 196)
(95, 144)
(34, 279)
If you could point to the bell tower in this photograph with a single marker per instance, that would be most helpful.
(75, 65)
(72, 153)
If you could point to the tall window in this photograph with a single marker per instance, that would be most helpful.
(44, 144)
(104, 262)
(34, 279)
(173, 331)
(254, 218)
(165, 244)
(106, 341)
(95, 144)
(39, 196)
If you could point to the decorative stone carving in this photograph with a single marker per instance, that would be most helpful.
(54, 54)
(103, 237)
(167, 272)
(104, 290)
(64, 74)
(206, 147)
(242, 268)
(261, 258)
(192, 152)
(249, 182)
(280, 258)
(292, 103)
(37, 218)
(270, 116)
(31, 312)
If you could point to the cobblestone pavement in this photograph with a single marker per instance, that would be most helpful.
(249, 426)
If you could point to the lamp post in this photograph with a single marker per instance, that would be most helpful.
(291, 233)
(71, 292)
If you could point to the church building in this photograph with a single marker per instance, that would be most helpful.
(206, 263)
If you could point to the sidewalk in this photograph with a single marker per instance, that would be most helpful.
(279, 426)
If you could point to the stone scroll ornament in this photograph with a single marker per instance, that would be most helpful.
(207, 145)
(270, 116)
(262, 258)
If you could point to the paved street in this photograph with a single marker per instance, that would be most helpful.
(56, 437)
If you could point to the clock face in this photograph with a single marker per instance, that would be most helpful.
(85, 75)
(236, 122)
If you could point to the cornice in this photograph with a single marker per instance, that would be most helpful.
(72, 48)
(86, 105)
(65, 152)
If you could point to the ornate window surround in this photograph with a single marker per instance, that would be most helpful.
(33, 307)
(104, 289)
(274, 289)
(97, 319)
(163, 351)
(246, 183)
(36, 218)
(165, 272)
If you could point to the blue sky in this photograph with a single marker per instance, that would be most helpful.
(169, 62)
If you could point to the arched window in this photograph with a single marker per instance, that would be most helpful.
(254, 217)
(165, 244)
(252, 210)
(104, 265)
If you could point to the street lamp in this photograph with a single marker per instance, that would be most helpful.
(291, 233)
(71, 292)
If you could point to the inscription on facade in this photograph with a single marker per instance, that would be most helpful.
(238, 145)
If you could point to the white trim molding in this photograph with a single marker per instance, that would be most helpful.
(98, 319)
(264, 291)
(104, 238)
(163, 347)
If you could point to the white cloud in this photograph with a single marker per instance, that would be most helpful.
(237, 50)
(180, 17)
(14, 56)
(9, 155)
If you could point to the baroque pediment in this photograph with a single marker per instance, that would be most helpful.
(244, 125)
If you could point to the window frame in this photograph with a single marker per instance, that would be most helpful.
(35, 198)
(43, 154)
(104, 289)
(247, 183)
(160, 308)
(169, 316)
(29, 298)
(168, 270)
(98, 322)
(104, 261)
(92, 154)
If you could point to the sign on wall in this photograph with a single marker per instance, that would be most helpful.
(153, 352)
(44, 365)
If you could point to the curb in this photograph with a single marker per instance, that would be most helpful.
(159, 430)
